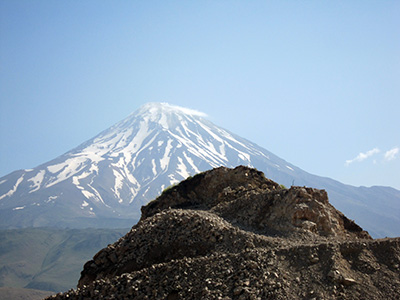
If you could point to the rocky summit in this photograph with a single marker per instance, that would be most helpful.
(234, 234)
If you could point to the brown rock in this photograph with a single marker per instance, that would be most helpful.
(233, 234)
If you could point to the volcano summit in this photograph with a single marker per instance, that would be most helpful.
(104, 181)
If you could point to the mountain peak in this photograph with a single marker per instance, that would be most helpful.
(166, 115)
(124, 167)
(155, 108)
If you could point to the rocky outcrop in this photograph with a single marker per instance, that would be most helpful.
(233, 234)
(243, 196)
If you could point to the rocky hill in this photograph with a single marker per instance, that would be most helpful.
(233, 234)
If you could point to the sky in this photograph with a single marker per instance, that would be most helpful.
(315, 82)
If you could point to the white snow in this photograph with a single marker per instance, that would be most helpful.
(145, 192)
(289, 168)
(209, 131)
(172, 179)
(75, 179)
(1, 182)
(186, 111)
(135, 146)
(190, 161)
(122, 139)
(244, 156)
(133, 194)
(111, 143)
(139, 138)
(56, 168)
(67, 169)
(213, 152)
(37, 181)
(84, 204)
(50, 198)
(165, 160)
(87, 194)
(118, 184)
(154, 167)
(19, 207)
(223, 150)
(122, 165)
(198, 151)
(152, 110)
(130, 177)
(163, 121)
(13, 190)
(97, 197)
(182, 170)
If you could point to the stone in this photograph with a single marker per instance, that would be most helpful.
(234, 234)
(348, 281)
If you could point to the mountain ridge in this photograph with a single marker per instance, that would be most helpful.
(112, 175)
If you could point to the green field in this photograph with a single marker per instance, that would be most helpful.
(49, 259)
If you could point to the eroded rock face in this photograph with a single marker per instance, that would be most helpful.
(233, 234)
(246, 197)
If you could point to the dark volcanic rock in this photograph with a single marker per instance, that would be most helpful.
(233, 234)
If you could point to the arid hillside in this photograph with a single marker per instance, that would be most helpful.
(234, 234)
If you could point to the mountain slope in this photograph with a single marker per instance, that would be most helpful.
(46, 258)
(105, 181)
(22, 294)
(233, 234)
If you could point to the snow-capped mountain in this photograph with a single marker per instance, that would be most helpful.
(106, 180)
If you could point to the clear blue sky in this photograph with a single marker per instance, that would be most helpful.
(315, 82)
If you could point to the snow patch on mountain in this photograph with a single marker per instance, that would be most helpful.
(88, 194)
(66, 169)
(165, 160)
(118, 184)
(76, 179)
(182, 169)
(37, 181)
(191, 163)
(19, 208)
(51, 199)
(14, 189)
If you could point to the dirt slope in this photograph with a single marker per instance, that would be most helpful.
(233, 234)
